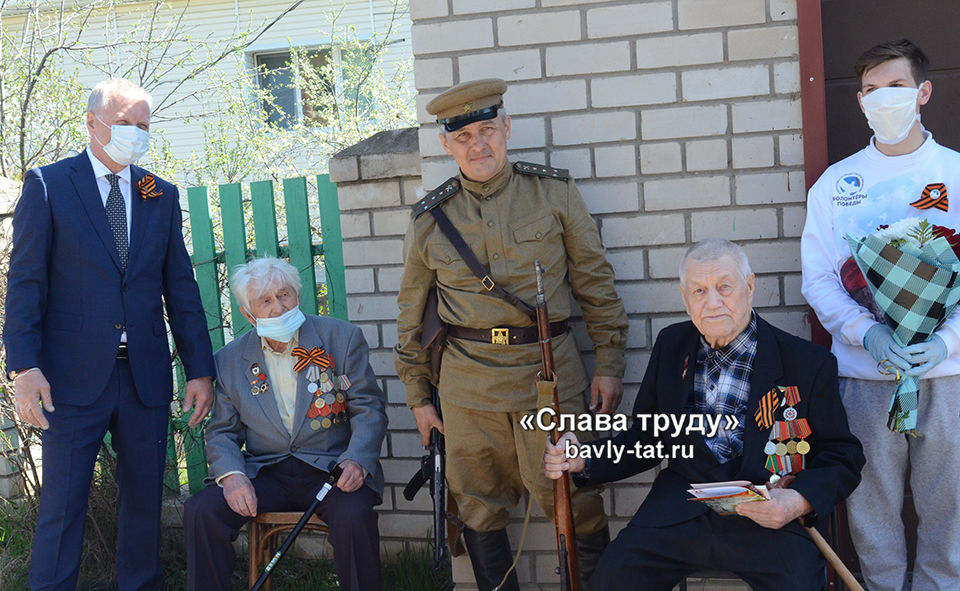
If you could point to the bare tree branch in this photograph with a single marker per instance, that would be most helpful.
(223, 55)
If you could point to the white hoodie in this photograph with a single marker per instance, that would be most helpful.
(855, 196)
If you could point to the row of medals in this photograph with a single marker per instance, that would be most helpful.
(787, 446)
(329, 406)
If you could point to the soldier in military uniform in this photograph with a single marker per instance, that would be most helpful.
(509, 215)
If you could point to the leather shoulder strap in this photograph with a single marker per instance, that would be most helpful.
(453, 235)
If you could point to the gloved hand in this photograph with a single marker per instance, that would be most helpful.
(925, 356)
(880, 343)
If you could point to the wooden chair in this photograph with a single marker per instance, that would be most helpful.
(263, 532)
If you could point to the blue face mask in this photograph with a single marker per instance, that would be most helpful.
(283, 327)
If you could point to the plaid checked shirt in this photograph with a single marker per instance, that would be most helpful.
(721, 386)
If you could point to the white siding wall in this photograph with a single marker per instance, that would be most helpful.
(308, 25)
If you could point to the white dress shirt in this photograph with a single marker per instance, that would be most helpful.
(283, 379)
(100, 171)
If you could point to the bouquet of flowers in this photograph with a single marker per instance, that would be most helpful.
(912, 270)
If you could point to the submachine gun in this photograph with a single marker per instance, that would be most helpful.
(433, 464)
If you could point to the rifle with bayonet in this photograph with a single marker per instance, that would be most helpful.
(562, 508)
(433, 464)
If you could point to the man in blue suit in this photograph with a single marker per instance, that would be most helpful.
(97, 252)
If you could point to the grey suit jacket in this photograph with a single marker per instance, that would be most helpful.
(241, 418)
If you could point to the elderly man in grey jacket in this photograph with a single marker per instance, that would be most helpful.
(300, 394)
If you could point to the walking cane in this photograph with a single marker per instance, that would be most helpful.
(334, 475)
(834, 560)
(838, 566)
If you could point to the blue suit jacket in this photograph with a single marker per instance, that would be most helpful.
(68, 300)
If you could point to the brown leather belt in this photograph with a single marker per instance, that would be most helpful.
(505, 335)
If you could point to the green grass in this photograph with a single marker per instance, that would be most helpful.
(16, 536)
(410, 570)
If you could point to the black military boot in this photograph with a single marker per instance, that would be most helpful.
(589, 549)
(491, 557)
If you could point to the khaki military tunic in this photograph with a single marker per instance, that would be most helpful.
(508, 222)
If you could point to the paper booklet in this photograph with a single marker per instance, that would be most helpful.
(722, 497)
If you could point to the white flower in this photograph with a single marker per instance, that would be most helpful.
(899, 230)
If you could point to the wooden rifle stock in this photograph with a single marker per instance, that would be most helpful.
(562, 508)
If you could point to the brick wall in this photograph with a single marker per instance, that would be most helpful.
(680, 120)
(376, 189)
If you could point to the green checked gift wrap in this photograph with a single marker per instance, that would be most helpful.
(917, 288)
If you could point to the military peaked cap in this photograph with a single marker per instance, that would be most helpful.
(467, 102)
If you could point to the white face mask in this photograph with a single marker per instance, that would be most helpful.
(283, 327)
(128, 143)
(891, 112)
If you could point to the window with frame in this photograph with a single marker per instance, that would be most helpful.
(289, 103)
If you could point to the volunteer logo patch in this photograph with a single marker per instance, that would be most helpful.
(849, 190)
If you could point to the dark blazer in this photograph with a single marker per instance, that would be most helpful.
(833, 464)
(68, 300)
(246, 432)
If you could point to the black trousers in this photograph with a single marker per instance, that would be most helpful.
(657, 558)
(210, 526)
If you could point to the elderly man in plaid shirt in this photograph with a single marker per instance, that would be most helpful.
(782, 393)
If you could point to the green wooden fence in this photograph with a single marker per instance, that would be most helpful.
(212, 260)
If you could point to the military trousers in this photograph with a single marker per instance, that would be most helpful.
(491, 459)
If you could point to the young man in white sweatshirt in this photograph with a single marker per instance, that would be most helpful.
(902, 173)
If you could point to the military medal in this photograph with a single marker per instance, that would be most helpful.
(791, 397)
(329, 406)
(258, 384)
(326, 384)
(787, 446)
